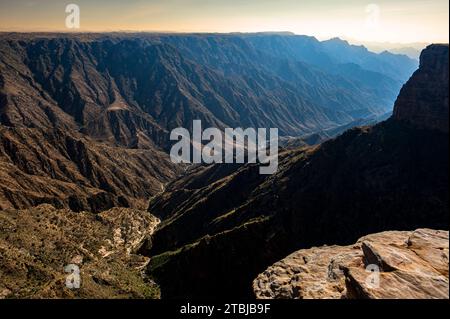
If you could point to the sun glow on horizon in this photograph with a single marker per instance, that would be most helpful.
(399, 21)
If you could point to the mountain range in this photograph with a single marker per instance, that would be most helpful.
(85, 121)
(221, 226)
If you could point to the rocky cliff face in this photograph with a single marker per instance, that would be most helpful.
(423, 101)
(222, 224)
(406, 265)
(124, 88)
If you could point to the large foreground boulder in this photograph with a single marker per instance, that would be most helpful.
(388, 265)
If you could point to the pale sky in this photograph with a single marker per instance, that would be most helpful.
(400, 21)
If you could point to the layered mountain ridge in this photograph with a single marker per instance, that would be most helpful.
(66, 170)
(166, 81)
(84, 126)
(85, 119)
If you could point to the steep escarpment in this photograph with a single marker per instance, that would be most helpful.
(388, 265)
(219, 227)
(423, 101)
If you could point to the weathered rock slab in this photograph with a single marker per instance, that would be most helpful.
(388, 265)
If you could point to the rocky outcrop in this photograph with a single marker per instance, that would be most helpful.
(36, 244)
(423, 101)
(402, 265)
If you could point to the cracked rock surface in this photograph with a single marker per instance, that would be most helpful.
(388, 265)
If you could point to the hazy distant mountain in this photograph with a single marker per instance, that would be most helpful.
(396, 66)
(151, 83)
(222, 225)
(412, 50)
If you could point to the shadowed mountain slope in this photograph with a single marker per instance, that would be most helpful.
(222, 225)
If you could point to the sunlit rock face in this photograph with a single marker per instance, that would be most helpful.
(408, 265)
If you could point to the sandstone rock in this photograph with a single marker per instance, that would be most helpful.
(412, 265)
